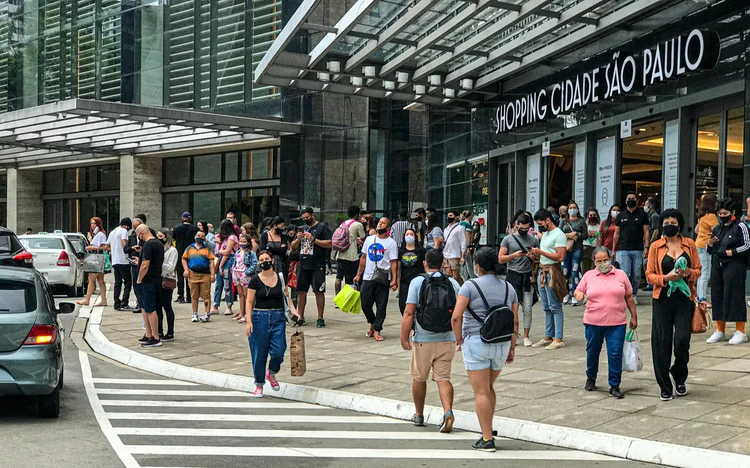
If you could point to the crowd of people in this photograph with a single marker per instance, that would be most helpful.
(454, 295)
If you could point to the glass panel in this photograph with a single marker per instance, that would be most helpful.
(207, 169)
(480, 172)
(109, 177)
(258, 164)
(707, 165)
(176, 171)
(207, 207)
(230, 167)
(174, 205)
(257, 204)
(3, 185)
(70, 180)
(53, 181)
(3, 214)
(560, 175)
(231, 203)
(92, 179)
(642, 161)
(735, 152)
(152, 54)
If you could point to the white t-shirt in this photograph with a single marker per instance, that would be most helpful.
(455, 241)
(551, 240)
(115, 244)
(379, 252)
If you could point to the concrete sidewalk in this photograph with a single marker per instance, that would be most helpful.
(541, 386)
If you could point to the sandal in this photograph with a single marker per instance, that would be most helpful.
(242, 320)
(379, 338)
(370, 333)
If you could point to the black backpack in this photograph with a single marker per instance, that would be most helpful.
(498, 325)
(437, 298)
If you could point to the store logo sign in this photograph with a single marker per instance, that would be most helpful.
(626, 73)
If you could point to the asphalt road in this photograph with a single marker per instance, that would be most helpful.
(142, 420)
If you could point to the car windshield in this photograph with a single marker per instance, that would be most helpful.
(17, 297)
(9, 243)
(36, 243)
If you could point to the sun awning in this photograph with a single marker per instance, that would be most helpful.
(79, 129)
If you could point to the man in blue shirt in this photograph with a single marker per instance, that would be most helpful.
(430, 350)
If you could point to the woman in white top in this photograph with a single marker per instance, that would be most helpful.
(168, 283)
(98, 244)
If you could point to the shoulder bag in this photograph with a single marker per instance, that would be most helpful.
(569, 243)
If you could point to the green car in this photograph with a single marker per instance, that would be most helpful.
(31, 338)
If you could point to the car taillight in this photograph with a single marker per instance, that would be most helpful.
(25, 256)
(41, 335)
(63, 260)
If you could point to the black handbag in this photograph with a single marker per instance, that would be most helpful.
(381, 276)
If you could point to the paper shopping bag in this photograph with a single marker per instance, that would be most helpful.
(297, 354)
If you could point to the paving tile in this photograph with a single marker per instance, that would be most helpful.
(632, 403)
(637, 425)
(698, 434)
(726, 351)
(737, 444)
(734, 415)
(741, 382)
(533, 375)
(583, 418)
(532, 392)
(684, 408)
(717, 394)
(710, 377)
(535, 410)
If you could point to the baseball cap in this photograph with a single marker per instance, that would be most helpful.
(187, 215)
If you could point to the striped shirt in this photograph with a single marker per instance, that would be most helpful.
(398, 230)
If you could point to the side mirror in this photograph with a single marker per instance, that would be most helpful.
(66, 308)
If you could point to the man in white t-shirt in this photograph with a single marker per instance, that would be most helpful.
(378, 270)
(116, 241)
(551, 252)
(455, 246)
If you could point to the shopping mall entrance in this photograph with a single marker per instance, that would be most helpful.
(642, 155)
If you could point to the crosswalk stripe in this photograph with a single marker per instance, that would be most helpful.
(293, 434)
(168, 383)
(279, 418)
(557, 455)
(187, 393)
(211, 404)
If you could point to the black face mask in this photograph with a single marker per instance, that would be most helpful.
(279, 231)
(382, 231)
(451, 219)
(592, 219)
(266, 265)
(199, 240)
(670, 230)
(523, 232)
(541, 228)
(308, 221)
(725, 219)
(163, 241)
(631, 203)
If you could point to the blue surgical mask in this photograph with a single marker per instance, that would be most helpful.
(409, 239)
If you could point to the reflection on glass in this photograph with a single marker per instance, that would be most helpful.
(174, 205)
(735, 153)
(642, 160)
(207, 169)
(176, 171)
(207, 206)
(560, 174)
(707, 164)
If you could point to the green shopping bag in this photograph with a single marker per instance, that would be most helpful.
(348, 300)
(107, 262)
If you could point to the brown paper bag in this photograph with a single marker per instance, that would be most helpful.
(297, 354)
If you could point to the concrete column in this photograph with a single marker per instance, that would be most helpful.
(25, 200)
(140, 188)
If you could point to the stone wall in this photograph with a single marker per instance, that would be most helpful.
(25, 200)
(140, 188)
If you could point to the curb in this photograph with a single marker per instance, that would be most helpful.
(576, 439)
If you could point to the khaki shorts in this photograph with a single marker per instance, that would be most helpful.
(453, 263)
(200, 286)
(436, 356)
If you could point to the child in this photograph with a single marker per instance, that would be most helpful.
(245, 262)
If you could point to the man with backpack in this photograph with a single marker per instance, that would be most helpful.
(345, 244)
(429, 308)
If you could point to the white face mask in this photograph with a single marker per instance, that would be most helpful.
(615, 213)
(409, 239)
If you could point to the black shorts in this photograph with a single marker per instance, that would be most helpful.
(147, 296)
(346, 270)
(314, 278)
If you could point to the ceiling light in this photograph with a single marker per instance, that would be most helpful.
(334, 66)
(449, 93)
(420, 89)
(357, 81)
(324, 76)
(389, 85)
(467, 84)
(402, 77)
(435, 80)
(368, 71)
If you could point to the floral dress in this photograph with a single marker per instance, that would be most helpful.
(244, 267)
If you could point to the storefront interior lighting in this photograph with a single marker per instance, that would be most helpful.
(467, 84)
(420, 89)
(705, 144)
(324, 76)
(389, 85)
(449, 93)
(435, 80)
(402, 77)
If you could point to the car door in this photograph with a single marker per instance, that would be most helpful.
(18, 312)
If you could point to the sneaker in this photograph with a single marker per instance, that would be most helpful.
(418, 420)
(666, 396)
(179, 300)
(195, 318)
(446, 425)
(590, 384)
(555, 345)
(205, 318)
(135, 310)
(228, 312)
(320, 323)
(527, 342)
(738, 338)
(151, 343)
(680, 390)
(335, 306)
(213, 312)
(635, 299)
(616, 393)
(144, 339)
(258, 393)
(542, 343)
(566, 299)
(168, 337)
(272, 380)
(574, 302)
(484, 445)
(299, 323)
(716, 337)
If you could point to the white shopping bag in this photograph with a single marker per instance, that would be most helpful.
(632, 361)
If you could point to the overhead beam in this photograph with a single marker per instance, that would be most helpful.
(320, 27)
(351, 18)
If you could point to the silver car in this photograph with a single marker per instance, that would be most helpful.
(57, 260)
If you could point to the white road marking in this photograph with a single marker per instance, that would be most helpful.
(211, 404)
(127, 459)
(170, 383)
(293, 434)
(187, 393)
(556, 455)
(278, 418)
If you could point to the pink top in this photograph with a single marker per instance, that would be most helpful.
(606, 297)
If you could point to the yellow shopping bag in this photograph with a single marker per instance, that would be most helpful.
(348, 300)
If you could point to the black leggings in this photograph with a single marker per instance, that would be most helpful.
(671, 327)
(164, 304)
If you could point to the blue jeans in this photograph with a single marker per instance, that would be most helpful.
(631, 262)
(705, 273)
(553, 311)
(224, 284)
(572, 268)
(615, 337)
(267, 339)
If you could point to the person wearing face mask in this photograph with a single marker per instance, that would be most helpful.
(420, 216)
(245, 264)
(671, 322)
(707, 220)
(515, 250)
(411, 265)
(313, 244)
(552, 284)
(591, 241)
(632, 241)
(275, 241)
(728, 245)
(454, 250)
(168, 284)
(149, 279)
(378, 270)
(608, 227)
(199, 265)
(347, 260)
(609, 293)
(574, 228)
(98, 244)
(266, 329)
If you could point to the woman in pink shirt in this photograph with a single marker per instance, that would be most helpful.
(609, 292)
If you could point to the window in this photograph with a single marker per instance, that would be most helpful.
(37, 243)
(9, 243)
(17, 297)
(177, 171)
(207, 169)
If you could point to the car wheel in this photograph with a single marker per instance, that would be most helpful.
(49, 405)
(72, 291)
(80, 292)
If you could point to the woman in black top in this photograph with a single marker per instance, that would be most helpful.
(411, 265)
(266, 329)
(275, 241)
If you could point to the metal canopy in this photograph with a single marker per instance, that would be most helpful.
(444, 52)
(78, 129)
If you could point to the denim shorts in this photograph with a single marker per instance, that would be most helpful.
(479, 355)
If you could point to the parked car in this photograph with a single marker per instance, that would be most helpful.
(79, 242)
(31, 338)
(12, 252)
(58, 261)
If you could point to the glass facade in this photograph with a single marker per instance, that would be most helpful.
(3, 200)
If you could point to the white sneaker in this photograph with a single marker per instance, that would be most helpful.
(527, 342)
(195, 318)
(574, 302)
(738, 338)
(228, 312)
(635, 299)
(567, 299)
(716, 337)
